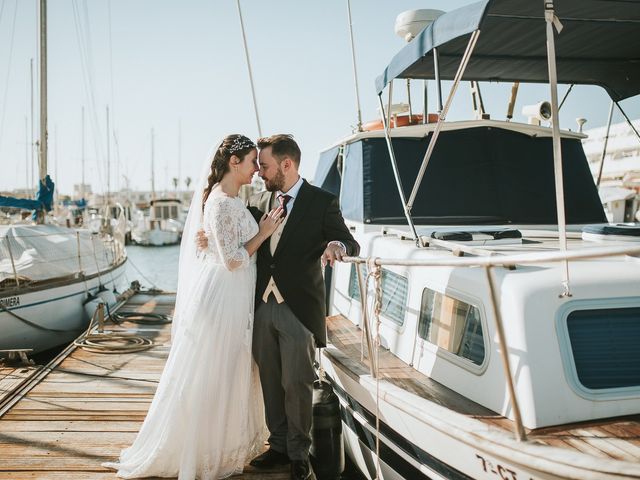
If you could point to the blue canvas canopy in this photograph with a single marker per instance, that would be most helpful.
(599, 45)
(478, 176)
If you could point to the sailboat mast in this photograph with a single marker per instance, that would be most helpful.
(153, 182)
(108, 161)
(82, 156)
(26, 151)
(179, 151)
(31, 139)
(42, 158)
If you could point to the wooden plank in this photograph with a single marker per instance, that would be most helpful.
(104, 424)
(104, 475)
(64, 444)
(60, 475)
(12, 377)
(48, 463)
(52, 404)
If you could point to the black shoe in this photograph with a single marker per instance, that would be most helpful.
(301, 470)
(269, 459)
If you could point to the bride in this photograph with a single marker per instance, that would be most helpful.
(206, 419)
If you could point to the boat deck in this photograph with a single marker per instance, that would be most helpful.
(617, 438)
(84, 407)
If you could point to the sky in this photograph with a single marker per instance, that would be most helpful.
(178, 67)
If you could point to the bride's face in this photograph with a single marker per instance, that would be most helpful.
(247, 167)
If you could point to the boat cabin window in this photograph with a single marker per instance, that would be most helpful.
(395, 290)
(451, 324)
(165, 211)
(605, 348)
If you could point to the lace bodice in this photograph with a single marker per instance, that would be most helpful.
(228, 226)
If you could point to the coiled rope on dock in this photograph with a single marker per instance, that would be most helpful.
(137, 317)
(114, 342)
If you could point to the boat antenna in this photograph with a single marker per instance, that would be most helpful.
(246, 53)
(355, 71)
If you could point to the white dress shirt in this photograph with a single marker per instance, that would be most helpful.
(275, 238)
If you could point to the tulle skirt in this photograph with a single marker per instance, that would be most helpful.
(207, 417)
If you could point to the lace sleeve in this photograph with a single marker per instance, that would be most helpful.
(224, 234)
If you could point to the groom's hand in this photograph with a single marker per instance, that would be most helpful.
(201, 240)
(334, 251)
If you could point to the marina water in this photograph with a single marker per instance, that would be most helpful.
(154, 266)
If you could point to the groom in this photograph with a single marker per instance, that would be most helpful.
(290, 299)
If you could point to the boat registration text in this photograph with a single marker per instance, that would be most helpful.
(9, 302)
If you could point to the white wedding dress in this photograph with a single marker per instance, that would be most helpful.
(207, 418)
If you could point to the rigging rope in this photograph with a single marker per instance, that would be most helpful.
(6, 85)
(377, 308)
(83, 38)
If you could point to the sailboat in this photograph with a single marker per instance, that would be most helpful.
(490, 329)
(49, 272)
(164, 223)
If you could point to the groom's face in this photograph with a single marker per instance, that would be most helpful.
(270, 170)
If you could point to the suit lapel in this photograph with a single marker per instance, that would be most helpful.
(303, 200)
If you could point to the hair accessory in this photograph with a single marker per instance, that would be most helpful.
(241, 143)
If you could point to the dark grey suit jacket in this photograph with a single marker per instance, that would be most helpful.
(315, 220)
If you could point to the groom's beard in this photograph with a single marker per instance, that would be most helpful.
(276, 183)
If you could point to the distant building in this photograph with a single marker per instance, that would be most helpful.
(620, 183)
(623, 152)
(79, 188)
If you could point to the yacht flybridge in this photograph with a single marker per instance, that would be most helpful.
(490, 329)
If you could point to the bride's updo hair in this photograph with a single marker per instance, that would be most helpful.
(235, 144)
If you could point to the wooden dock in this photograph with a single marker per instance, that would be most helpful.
(85, 407)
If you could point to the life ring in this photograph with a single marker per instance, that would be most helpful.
(400, 121)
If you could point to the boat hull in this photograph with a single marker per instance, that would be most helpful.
(52, 316)
(418, 442)
(156, 237)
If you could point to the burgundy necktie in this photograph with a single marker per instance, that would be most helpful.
(284, 199)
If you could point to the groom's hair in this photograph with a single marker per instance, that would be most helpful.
(282, 145)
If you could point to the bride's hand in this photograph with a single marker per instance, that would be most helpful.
(202, 241)
(271, 221)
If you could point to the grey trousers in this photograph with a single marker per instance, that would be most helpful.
(283, 348)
